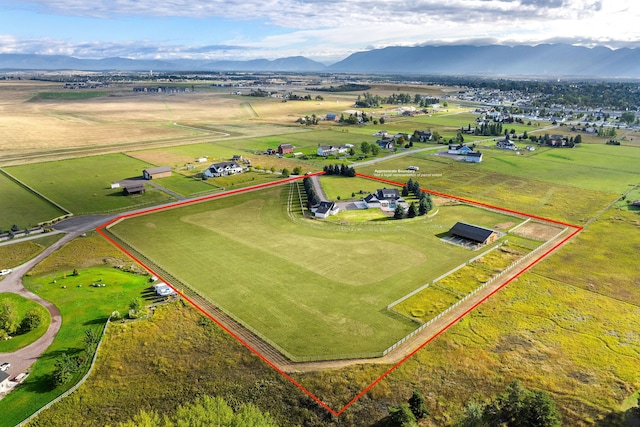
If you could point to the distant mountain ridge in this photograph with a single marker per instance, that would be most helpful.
(493, 60)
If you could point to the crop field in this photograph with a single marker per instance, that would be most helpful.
(83, 185)
(26, 208)
(298, 267)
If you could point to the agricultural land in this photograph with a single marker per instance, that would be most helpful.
(332, 293)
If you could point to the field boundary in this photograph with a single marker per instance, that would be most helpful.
(272, 359)
(67, 214)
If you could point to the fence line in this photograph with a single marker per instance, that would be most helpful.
(475, 291)
(33, 190)
(76, 386)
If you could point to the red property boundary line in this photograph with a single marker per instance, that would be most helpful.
(101, 230)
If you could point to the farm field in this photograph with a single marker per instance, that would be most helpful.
(20, 252)
(298, 267)
(82, 185)
(26, 208)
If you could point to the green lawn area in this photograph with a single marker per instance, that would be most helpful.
(22, 207)
(83, 185)
(19, 252)
(343, 187)
(307, 285)
(71, 95)
(82, 307)
(21, 306)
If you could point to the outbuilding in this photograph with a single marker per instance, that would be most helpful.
(474, 233)
(136, 188)
(157, 172)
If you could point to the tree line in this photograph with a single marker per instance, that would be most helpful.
(425, 203)
(341, 170)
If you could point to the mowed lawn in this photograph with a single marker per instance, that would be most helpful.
(83, 185)
(315, 288)
(22, 207)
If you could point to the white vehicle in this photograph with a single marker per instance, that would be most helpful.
(5, 272)
(5, 366)
(413, 168)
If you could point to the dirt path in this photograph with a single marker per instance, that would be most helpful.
(22, 359)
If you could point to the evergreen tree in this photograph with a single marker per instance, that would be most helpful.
(401, 416)
(398, 213)
(417, 405)
(411, 212)
(405, 191)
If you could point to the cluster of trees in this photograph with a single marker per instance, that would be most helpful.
(259, 93)
(368, 100)
(67, 366)
(517, 406)
(606, 131)
(11, 324)
(342, 170)
(489, 129)
(312, 198)
(205, 411)
(425, 203)
(367, 148)
(311, 120)
(408, 414)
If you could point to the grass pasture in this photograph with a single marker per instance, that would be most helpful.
(282, 277)
(83, 185)
(19, 252)
(25, 209)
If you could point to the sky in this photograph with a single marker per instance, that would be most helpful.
(323, 30)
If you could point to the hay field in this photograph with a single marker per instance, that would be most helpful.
(308, 286)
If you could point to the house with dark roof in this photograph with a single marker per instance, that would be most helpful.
(223, 169)
(285, 149)
(385, 198)
(386, 144)
(474, 233)
(324, 209)
(422, 136)
(505, 144)
(332, 117)
(157, 172)
(135, 188)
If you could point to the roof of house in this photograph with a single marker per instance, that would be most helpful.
(3, 376)
(159, 169)
(286, 146)
(474, 154)
(325, 207)
(387, 193)
(471, 232)
(224, 165)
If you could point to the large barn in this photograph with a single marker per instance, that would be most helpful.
(158, 172)
(474, 233)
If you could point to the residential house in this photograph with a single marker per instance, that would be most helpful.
(223, 169)
(506, 144)
(331, 150)
(332, 117)
(460, 149)
(474, 233)
(382, 133)
(473, 157)
(556, 141)
(422, 136)
(324, 209)
(4, 382)
(386, 144)
(157, 172)
(385, 198)
(285, 149)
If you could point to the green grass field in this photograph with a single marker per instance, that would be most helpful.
(82, 307)
(22, 305)
(83, 185)
(70, 95)
(283, 277)
(25, 209)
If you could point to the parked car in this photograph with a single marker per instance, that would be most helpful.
(5, 271)
(5, 366)
(413, 168)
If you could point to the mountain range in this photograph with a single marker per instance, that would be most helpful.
(550, 60)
